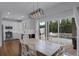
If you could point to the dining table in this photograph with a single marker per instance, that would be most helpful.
(43, 47)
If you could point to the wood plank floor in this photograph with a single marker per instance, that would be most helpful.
(10, 48)
(13, 48)
(69, 49)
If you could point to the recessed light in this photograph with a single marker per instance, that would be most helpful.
(22, 16)
(6, 16)
(8, 13)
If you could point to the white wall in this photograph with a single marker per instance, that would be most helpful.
(76, 14)
(37, 30)
(0, 33)
(17, 28)
(30, 26)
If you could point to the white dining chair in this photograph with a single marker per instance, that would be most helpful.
(32, 50)
(23, 50)
(60, 51)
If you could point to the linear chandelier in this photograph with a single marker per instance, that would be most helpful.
(37, 13)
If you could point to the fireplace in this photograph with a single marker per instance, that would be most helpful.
(31, 36)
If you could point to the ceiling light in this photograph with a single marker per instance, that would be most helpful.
(8, 13)
(22, 16)
(37, 13)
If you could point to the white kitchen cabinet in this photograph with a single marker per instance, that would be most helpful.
(16, 28)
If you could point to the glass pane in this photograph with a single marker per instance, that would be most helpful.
(53, 29)
(65, 28)
(67, 35)
(42, 30)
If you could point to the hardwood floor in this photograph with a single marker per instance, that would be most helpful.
(70, 51)
(67, 45)
(11, 47)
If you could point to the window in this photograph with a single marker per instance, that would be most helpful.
(42, 30)
(65, 28)
(53, 29)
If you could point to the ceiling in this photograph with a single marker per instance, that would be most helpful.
(23, 8)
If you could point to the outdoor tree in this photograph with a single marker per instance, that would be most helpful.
(65, 26)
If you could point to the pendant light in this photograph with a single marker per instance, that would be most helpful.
(38, 13)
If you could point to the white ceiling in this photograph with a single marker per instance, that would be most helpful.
(24, 8)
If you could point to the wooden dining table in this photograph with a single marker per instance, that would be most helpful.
(43, 47)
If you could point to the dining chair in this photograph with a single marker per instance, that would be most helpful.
(32, 50)
(60, 51)
(24, 49)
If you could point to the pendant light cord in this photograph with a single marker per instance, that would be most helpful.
(33, 5)
(37, 4)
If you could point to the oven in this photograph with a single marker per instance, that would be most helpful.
(8, 34)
